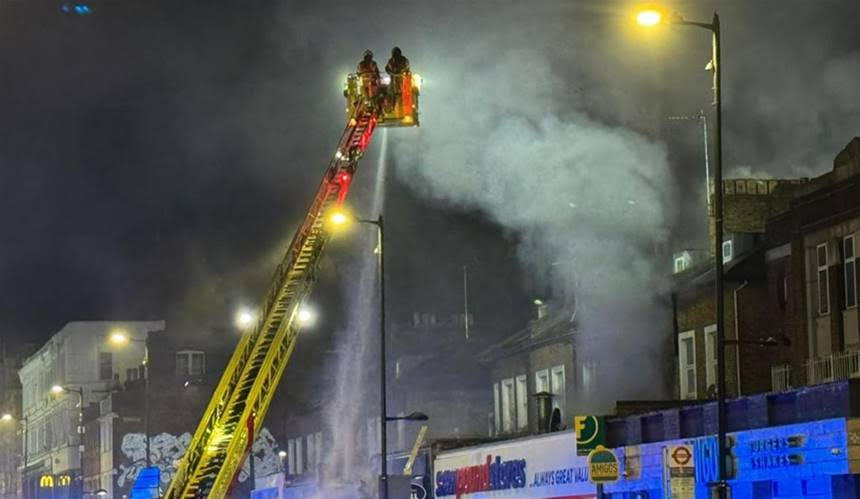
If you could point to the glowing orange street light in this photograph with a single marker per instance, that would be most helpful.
(339, 218)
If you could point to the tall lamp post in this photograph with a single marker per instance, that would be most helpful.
(653, 17)
(340, 218)
(121, 338)
(60, 389)
(8, 418)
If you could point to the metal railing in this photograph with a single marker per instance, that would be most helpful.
(780, 377)
(833, 367)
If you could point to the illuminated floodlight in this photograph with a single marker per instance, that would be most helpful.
(306, 316)
(6, 417)
(57, 389)
(649, 17)
(244, 318)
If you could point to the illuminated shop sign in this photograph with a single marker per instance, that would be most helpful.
(51, 481)
(790, 452)
(493, 475)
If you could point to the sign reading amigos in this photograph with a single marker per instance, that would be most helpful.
(590, 433)
(602, 465)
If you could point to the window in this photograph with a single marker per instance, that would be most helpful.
(312, 456)
(107, 435)
(542, 381)
(823, 280)
(132, 374)
(687, 364)
(522, 389)
(190, 363)
(680, 264)
(497, 414)
(588, 370)
(557, 388)
(711, 356)
(508, 409)
(727, 251)
(850, 272)
(300, 457)
(105, 365)
(291, 456)
(782, 291)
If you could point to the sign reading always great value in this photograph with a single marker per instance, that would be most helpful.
(542, 466)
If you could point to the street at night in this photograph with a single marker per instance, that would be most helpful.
(579, 249)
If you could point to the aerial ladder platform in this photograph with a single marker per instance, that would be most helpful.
(238, 406)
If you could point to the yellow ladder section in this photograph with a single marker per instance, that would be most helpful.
(220, 443)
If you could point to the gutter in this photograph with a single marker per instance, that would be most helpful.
(738, 338)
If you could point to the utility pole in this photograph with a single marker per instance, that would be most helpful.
(466, 299)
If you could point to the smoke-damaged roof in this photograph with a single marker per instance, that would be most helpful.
(554, 327)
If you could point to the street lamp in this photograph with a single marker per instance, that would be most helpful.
(651, 17)
(61, 389)
(7, 418)
(121, 338)
(244, 318)
(306, 316)
(338, 219)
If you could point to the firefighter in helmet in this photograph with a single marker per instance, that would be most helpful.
(368, 72)
(398, 64)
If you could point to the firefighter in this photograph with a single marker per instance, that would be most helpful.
(398, 64)
(396, 67)
(368, 71)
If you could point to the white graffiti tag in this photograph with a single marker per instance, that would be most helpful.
(166, 450)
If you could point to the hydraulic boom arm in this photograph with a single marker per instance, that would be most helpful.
(239, 403)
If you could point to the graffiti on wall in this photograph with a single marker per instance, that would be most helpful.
(166, 450)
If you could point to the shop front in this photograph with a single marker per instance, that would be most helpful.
(544, 466)
(806, 460)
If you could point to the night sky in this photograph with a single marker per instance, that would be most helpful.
(156, 156)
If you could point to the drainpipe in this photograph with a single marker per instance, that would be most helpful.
(738, 339)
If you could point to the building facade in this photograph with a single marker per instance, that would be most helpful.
(535, 372)
(790, 287)
(80, 359)
(11, 424)
(811, 253)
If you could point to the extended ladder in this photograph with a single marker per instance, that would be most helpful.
(239, 403)
(219, 446)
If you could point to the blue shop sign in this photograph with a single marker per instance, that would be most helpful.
(798, 451)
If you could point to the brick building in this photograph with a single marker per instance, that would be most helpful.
(748, 203)
(812, 278)
(539, 358)
(790, 286)
(183, 373)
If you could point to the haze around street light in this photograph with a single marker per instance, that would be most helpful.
(244, 318)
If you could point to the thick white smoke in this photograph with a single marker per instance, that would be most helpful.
(590, 201)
